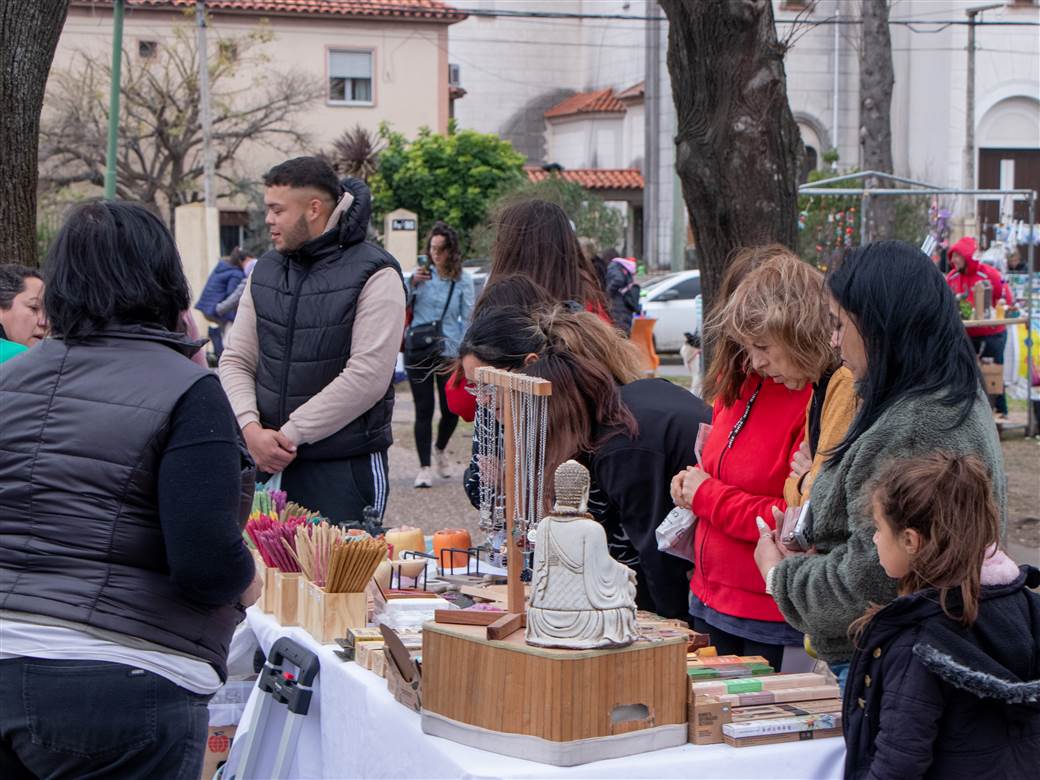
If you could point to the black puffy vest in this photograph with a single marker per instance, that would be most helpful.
(305, 305)
(83, 429)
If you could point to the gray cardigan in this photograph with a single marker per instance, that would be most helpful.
(822, 594)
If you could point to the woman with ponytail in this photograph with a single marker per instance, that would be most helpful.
(632, 435)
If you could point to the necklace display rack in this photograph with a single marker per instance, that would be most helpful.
(511, 426)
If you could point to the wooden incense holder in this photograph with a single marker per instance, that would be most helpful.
(266, 574)
(328, 616)
(287, 597)
(562, 707)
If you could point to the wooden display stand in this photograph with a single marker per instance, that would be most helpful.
(266, 574)
(287, 597)
(327, 616)
(562, 707)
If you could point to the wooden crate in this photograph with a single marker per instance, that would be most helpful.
(562, 707)
(287, 598)
(327, 616)
(992, 378)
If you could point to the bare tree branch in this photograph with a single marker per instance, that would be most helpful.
(159, 161)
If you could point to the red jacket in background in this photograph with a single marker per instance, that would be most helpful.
(747, 481)
(975, 272)
(460, 400)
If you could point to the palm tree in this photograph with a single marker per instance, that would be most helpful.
(355, 153)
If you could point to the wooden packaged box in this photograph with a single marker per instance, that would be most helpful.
(328, 616)
(992, 378)
(562, 707)
(287, 597)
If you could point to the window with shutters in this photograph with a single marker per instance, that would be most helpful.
(350, 78)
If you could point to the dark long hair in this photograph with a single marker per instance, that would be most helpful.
(453, 268)
(113, 261)
(576, 351)
(911, 328)
(535, 238)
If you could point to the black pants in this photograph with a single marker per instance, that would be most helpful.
(993, 347)
(424, 383)
(731, 644)
(61, 718)
(339, 489)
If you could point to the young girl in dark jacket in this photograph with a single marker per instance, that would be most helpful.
(945, 680)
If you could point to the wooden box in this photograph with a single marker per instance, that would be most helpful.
(562, 707)
(287, 597)
(992, 378)
(266, 600)
(328, 616)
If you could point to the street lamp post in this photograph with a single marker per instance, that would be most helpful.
(969, 118)
(113, 99)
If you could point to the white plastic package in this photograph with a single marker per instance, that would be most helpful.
(675, 533)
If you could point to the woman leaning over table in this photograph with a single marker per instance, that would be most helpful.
(899, 332)
(771, 342)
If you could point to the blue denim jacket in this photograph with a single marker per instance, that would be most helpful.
(428, 299)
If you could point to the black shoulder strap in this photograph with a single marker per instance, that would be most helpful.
(447, 302)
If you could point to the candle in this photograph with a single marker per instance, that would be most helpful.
(405, 538)
(451, 538)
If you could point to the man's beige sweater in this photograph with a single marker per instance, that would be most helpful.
(375, 342)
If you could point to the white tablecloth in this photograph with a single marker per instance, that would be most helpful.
(355, 729)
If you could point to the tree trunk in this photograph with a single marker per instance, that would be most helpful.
(876, 78)
(738, 148)
(29, 32)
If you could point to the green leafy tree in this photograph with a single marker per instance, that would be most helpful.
(452, 177)
(591, 216)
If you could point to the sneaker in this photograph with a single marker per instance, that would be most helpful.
(424, 478)
(440, 460)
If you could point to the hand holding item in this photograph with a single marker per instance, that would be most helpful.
(272, 450)
(767, 552)
(692, 481)
(801, 462)
(421, 274)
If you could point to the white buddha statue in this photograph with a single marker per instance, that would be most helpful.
(580, 596)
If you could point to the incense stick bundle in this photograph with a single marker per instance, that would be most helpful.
(353, 563)
(276, 542)
(314, 547)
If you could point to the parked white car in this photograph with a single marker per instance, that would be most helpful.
(673, 301)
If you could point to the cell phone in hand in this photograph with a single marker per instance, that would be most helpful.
(424, 261)
(796, 532)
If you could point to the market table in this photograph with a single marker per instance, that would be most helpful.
(355, 729)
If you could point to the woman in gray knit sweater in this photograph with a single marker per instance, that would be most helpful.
(899, 332)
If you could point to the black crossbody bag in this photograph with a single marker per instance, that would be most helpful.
(423, 344)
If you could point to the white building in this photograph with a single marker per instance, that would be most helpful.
(517, 69)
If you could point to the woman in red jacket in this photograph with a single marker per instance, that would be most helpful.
(772, 339)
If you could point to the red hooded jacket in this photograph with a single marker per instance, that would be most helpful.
(974, 272)
(747, 481)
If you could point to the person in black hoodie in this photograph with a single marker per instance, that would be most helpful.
(632, 437)
(945, 680)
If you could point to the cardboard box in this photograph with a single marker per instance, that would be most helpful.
(992, 378)
(403, 673)
(218, 743)
(773, 739)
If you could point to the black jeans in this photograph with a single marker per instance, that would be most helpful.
(423, 382)
(993, 347)
(93, 719)
(731, 644)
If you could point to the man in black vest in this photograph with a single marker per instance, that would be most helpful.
(309, 363)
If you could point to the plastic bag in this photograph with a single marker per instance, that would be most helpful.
(675, 534)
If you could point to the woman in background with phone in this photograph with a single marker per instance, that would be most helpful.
(440, 295)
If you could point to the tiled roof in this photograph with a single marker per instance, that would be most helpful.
(635, 92)
(416, 10)
(602, 102)
(595, 178)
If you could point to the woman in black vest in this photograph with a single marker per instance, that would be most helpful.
(122, 567)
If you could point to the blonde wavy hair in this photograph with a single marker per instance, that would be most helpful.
(775, 296)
